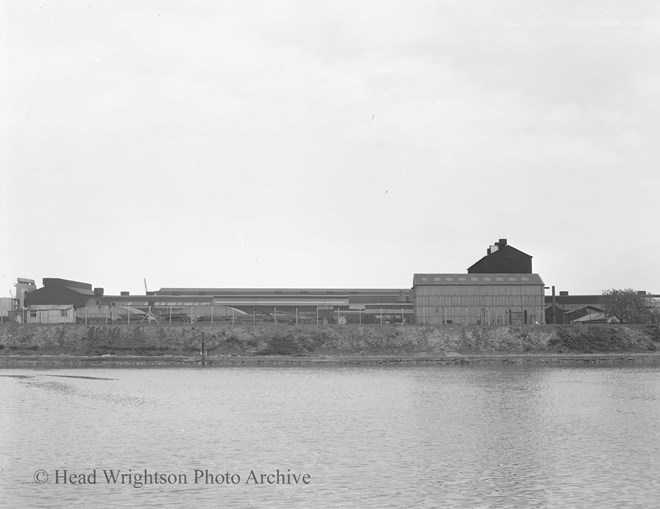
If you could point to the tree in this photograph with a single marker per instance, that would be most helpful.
(629, 306)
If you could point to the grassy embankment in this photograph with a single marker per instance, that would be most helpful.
(171, 345)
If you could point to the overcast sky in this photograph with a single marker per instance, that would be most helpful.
(328, 144)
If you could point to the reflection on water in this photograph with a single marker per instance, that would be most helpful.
(468, 436)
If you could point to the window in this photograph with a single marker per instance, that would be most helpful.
(62, 312)
(33, 314)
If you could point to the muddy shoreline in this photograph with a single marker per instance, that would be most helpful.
(151, 361)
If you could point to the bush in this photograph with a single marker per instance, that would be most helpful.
(590, 339)
(654, 332)
(283, 345)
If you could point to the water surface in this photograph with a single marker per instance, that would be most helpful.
(444, 436)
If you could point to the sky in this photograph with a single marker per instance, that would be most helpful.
(343, 144)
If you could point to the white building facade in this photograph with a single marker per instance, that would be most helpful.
(51, 313)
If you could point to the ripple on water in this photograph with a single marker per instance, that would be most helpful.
(476, 436)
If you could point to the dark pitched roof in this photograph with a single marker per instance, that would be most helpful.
(505, 251)
(55, 281)
(58, 295)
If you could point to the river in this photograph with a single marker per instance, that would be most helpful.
(436, 436)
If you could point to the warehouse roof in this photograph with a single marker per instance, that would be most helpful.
(48, 307)
(275, 291)
(74, 285)
(476, 279)
(82, 291)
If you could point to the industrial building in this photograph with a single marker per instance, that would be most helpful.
(60, 291)
(500, 288)
(482, 299)
(176, 305)
(51, 313)
(567, 309)
(501, 258)
(283, 305)
(23, 287)
(7, 305)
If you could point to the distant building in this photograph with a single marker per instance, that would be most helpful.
(6, 305)
(502, 258)
(60, 291)
(593, 318)
(291, 305)
(583, 309)
(51, 313)
(294, 305)
(23, 287)
(484, 299)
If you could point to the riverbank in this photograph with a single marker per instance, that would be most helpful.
(155, 345)
(113, 361)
